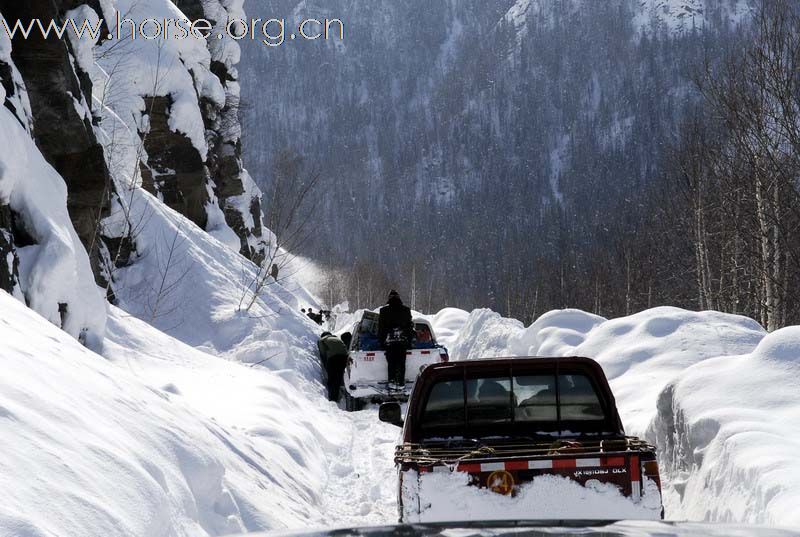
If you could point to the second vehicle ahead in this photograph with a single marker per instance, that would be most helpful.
(365, 379)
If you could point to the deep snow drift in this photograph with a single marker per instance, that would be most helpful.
(729, 433)
(716, 394)
(165, 440)
(202, 445)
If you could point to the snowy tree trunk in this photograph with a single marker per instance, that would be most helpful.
(767, 313)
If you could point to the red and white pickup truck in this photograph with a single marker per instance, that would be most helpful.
(504, 425)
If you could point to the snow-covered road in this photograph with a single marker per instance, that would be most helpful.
(335, 467)
(157, 438)
(362, 483)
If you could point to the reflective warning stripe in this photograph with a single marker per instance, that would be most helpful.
(636, 485)
(537, 464)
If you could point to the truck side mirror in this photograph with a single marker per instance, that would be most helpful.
(391, 413)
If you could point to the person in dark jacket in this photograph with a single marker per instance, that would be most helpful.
(395, 332)
(333, 354)
(347, 339)
(316, 317)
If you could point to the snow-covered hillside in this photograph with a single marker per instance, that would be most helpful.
(160, 439)
(221, 430)
(690, 15)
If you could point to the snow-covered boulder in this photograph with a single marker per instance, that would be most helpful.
(55, 277)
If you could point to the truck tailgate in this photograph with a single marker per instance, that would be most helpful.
(370, 367)
(626, 464)
(622, 470)
(519, 482)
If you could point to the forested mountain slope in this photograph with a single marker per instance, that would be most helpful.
(429, 115)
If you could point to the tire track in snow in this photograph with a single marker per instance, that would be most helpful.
(362, 483)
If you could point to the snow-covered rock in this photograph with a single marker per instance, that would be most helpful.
(679, 16)
(55, 276)
(170, 120)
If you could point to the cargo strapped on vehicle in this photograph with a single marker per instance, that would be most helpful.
(428, 455)
(532, 464)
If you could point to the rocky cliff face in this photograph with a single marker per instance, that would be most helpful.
(111, 118)
(175, 169)
(237, 195)
(13, 100)
(9, 262)
(43, 262)
(60, 93)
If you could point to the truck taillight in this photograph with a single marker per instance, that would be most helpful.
(445, 357)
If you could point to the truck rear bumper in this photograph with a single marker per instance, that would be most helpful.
(442, 496)
(530, 481)
(378, 392)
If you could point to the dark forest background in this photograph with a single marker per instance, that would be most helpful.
(605, 155)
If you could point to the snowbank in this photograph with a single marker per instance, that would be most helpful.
(90, 451)
(716, 394)
(485, 334)
(728, 432)
(555, 333)
(543, 498)
(160, 439)
(640, 354)
(447, 325)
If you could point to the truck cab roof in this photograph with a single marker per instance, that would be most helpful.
(512, 397)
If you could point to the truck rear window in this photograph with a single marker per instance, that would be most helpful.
(524, 399)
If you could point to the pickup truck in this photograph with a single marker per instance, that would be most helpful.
(365, 378)
(480, 435)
